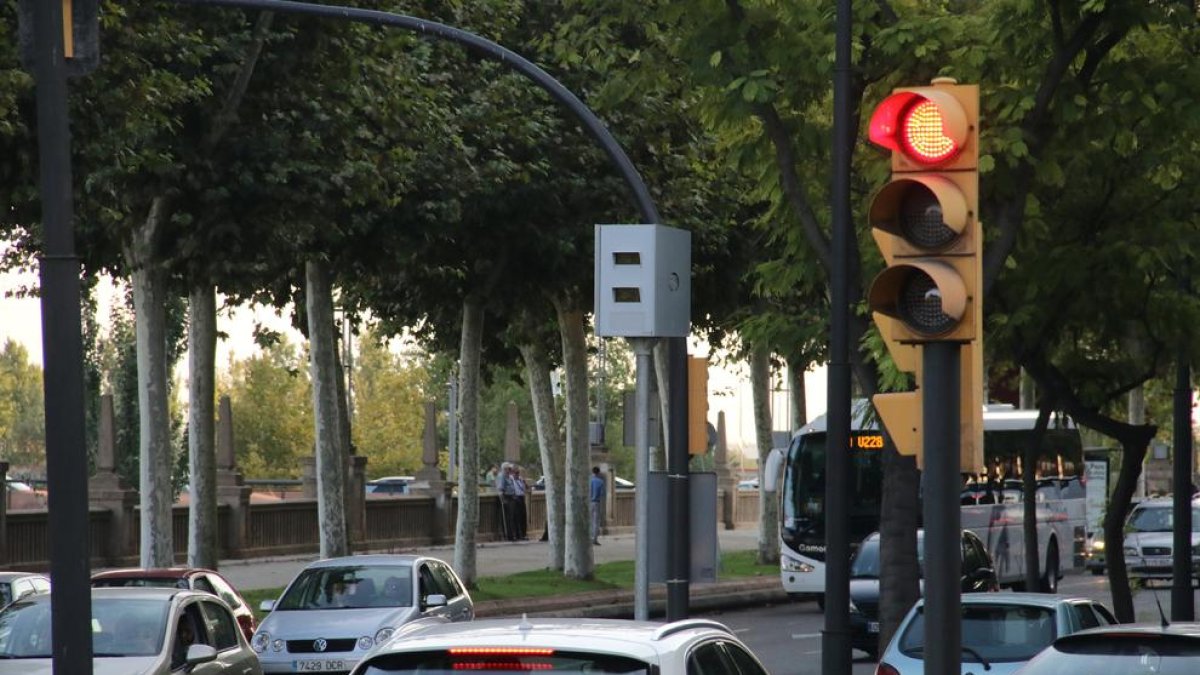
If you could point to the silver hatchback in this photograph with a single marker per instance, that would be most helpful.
(336, 610)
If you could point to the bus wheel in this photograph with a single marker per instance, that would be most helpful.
(1050, 578)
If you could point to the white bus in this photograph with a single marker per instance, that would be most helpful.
(992, 505)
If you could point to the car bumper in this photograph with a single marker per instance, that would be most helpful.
(864, 632)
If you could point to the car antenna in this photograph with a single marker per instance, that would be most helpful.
(1161, 615)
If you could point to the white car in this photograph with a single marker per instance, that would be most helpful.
(1000, 631)
(1150, 539)
(565, 645)
(337, 610)
(135, 631)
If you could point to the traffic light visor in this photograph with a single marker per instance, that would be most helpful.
(927, 126)
(928, 296)
(929, 212)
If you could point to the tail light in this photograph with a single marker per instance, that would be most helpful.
(886, 669)
(246, 622)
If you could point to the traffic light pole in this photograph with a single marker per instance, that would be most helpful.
(678, 513)
(642, 348)
(943, 521)
(1183, 602)
(62, 342)
(835, 638)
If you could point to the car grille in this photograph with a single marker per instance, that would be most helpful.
(307, 646)
(1156, 550)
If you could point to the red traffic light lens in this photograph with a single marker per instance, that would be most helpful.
(922, 133)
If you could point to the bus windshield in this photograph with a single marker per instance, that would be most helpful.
(804, 490)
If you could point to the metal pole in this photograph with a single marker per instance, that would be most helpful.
(642, 348)
(678, 548)
(452, 442)
(943, 520)
(835, 637)
(1183, 602)
(62, 343)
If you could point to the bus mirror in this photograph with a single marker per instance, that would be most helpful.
(771, 470)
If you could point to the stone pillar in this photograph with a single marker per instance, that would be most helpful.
(726, 485)
(512, 437)
(356, 499)
(106, 489)
(232, 490)
(430, 480)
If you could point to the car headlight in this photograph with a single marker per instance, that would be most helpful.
(790, 565)
(277, 645)
(853, 607)
(259, 642)
(1130, 551)
(383, 635)
(365, 642)
(1098, 545)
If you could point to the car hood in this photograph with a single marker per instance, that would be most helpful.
(864, 590)
(126, 665)
(334, 623)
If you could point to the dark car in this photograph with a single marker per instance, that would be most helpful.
(193, 578)
(978, 576)
(1129, 648)
(390, 485)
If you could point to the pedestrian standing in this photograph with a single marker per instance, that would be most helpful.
(491, 474)
(520, 514)
(507, 491)
(596, 490)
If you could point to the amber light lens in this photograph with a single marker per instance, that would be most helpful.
(923, 136)
(507, 666)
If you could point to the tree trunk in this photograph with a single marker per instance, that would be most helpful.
(1137, 416)
(470, 356)
(1029, 459)
(899, 588)
(662, 376)
(799, 395)
(537, 369)
(1133, 453)
(202, 457)
(768, 515)
(154, 447)
(331, 478)
(578, 562)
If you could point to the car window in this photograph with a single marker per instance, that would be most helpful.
(746, 664)
(124, 582)
(224, 591)
(1100, 653)
(190, 629)
(1087, 618)
(428, 583)
(1105, 615)
(710, 659)
(5, 594)
(998, 633)
(447, 582)
(221, 626)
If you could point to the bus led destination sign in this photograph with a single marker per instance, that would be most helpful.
(866, 442)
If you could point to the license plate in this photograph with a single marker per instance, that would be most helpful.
(318, 666)
(872, 626)
(1160, 562)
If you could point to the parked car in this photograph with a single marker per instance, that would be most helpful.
(336, 610)
(978, 576)
(618, 484)
(390, 485)
(690, 646)
(135, 631)
(16, 585)
(1000, 631)
(1150, 540)
(748, 484)
(192, 578)
(1130, 648)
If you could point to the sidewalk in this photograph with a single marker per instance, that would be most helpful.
(504, 558)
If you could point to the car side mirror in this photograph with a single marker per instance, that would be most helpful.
(197, 654)
(435, 600)
(267, 605)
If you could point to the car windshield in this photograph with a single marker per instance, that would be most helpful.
(350, 587)
(444, 663)
(1105, 653)
(120, 627)
(866, 561)
(1158, 519)
(996, 633)
(126, 582)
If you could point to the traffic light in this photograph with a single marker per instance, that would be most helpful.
(926, 222)
(697, 405)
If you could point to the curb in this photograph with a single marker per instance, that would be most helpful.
(618, 604)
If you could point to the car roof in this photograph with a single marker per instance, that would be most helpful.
(368, 559)
(643, 640)
(13, 576)
(1189, 630)
(1023, 599)
(151, 573)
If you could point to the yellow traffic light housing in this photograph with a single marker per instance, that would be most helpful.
(697, 405)
(925, 220)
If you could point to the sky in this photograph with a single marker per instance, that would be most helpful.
(20, 319)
